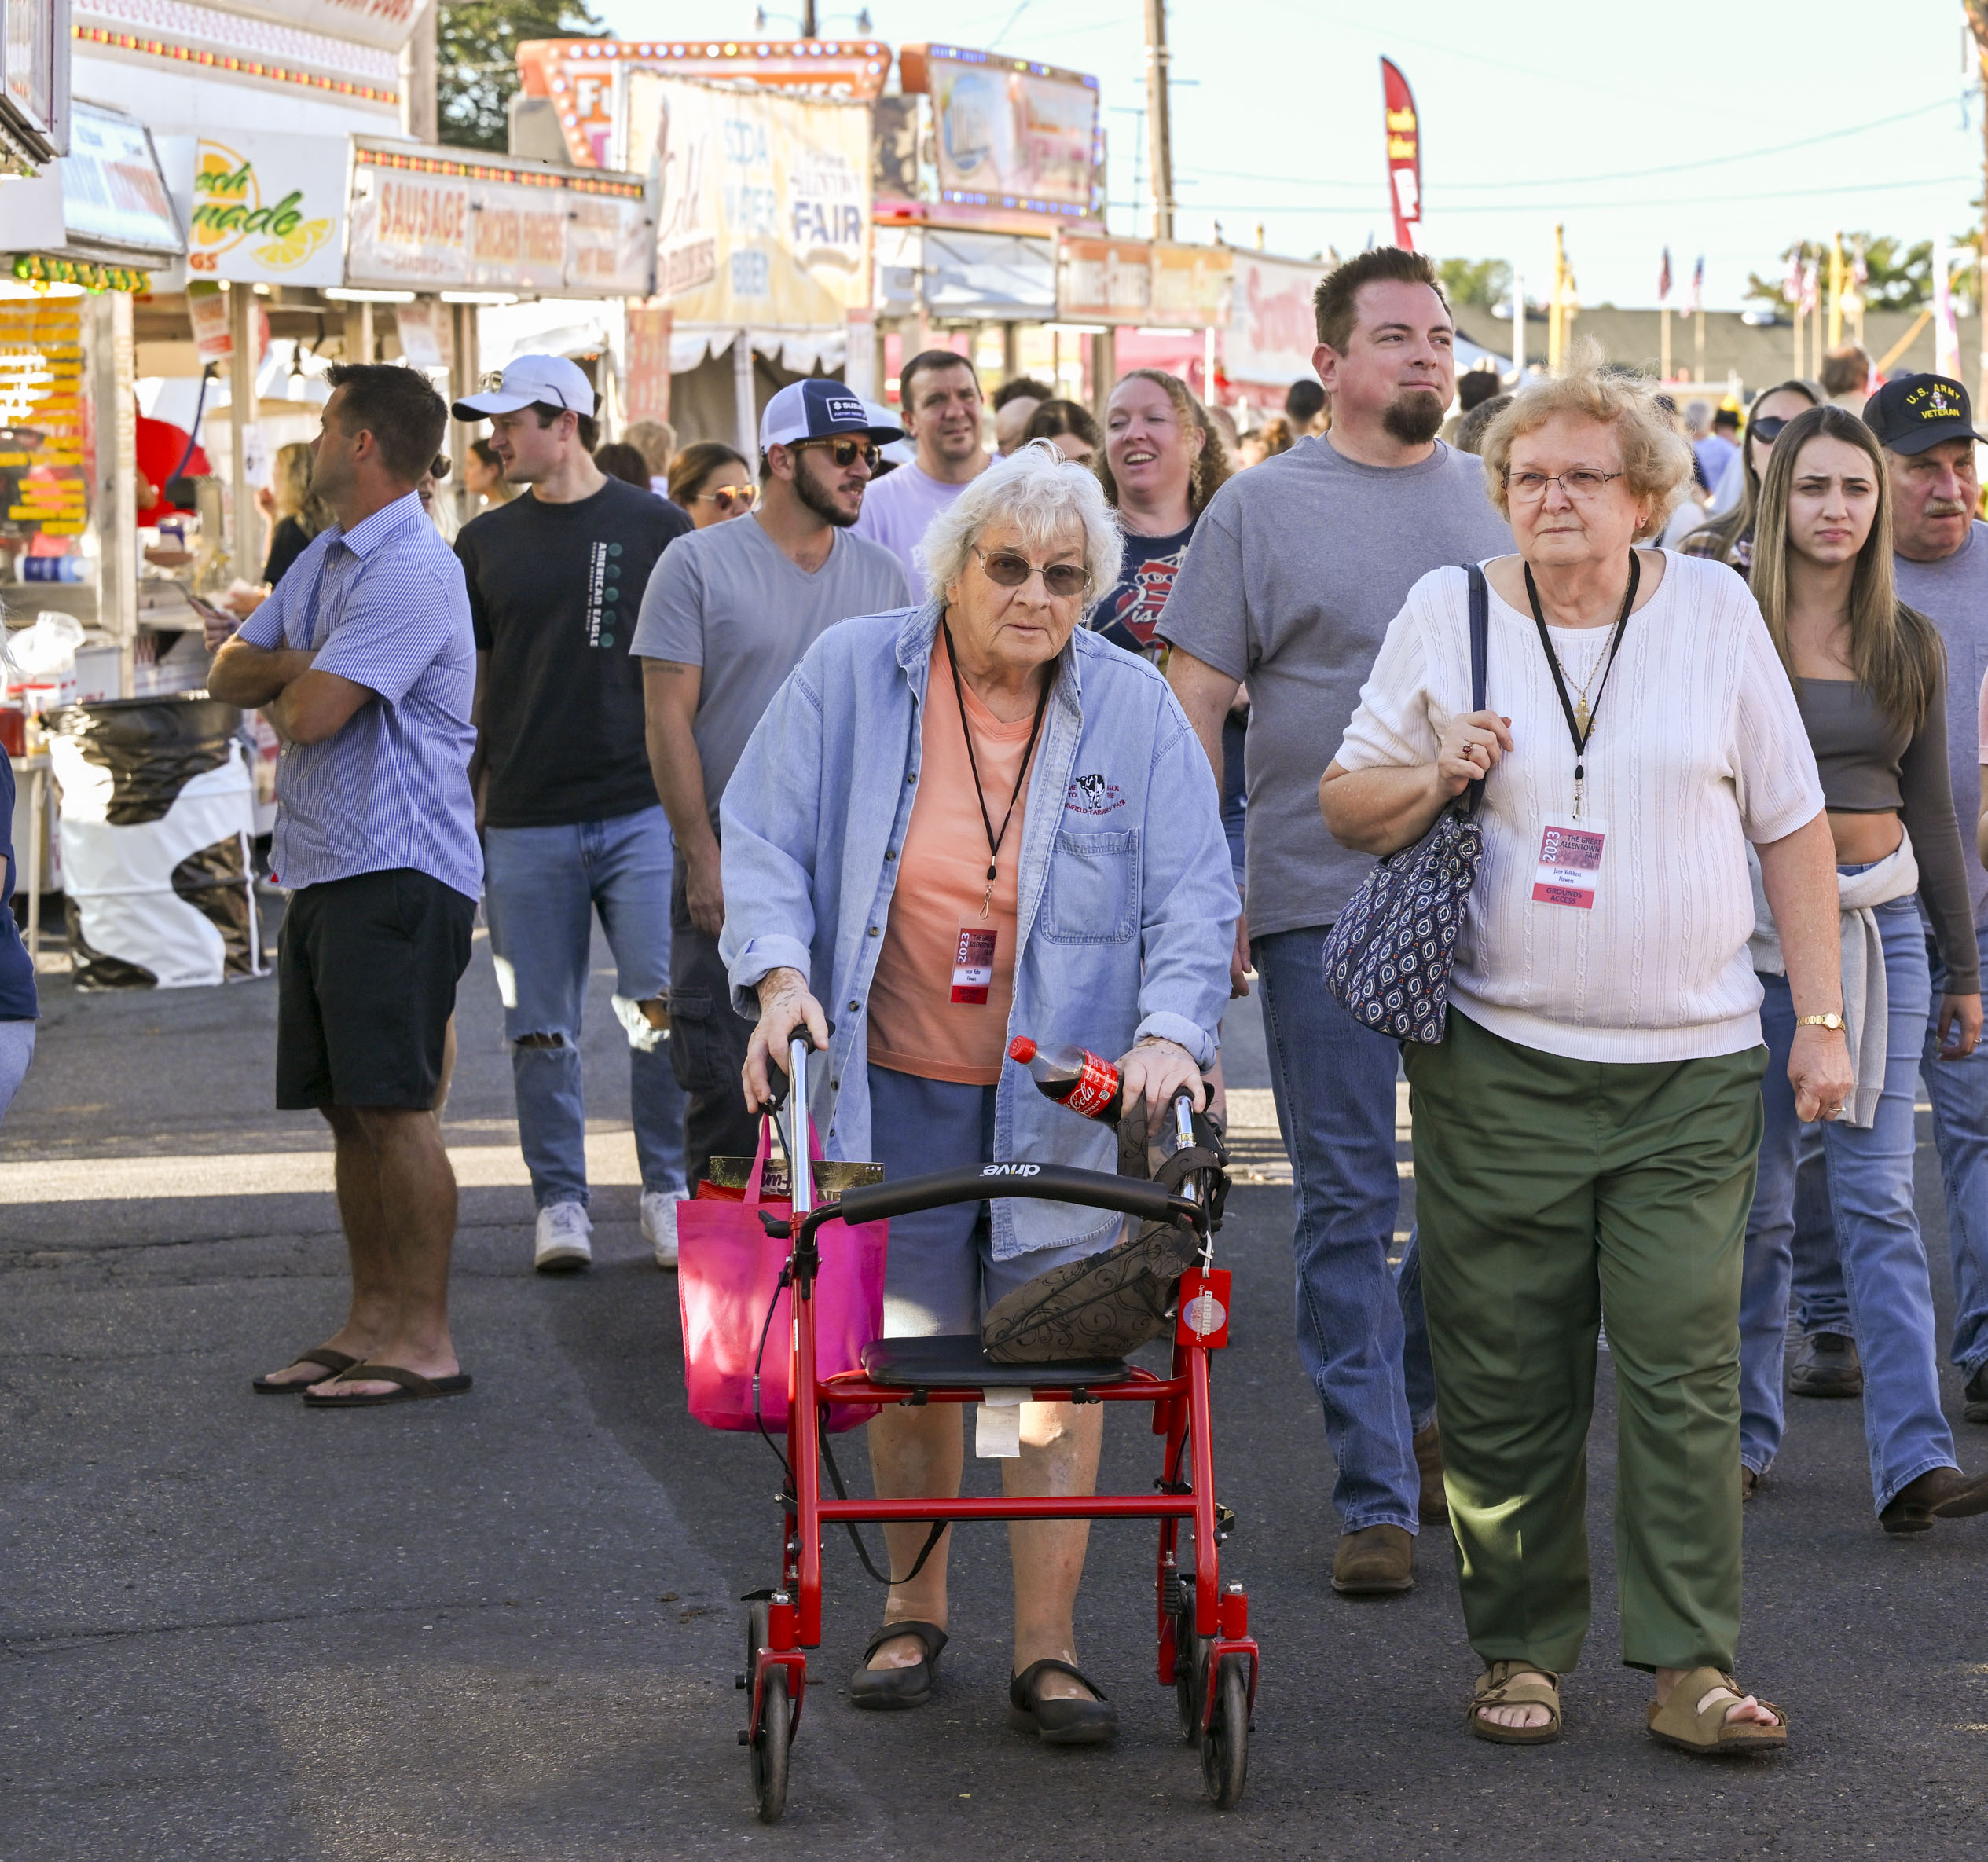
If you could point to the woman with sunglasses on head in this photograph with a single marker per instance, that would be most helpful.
(711, 482)
(1073, 427)
(1869, 675)
(1162, 462)
(959, 824)
(1729, 539)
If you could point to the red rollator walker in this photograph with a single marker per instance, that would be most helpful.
(1205, 1652)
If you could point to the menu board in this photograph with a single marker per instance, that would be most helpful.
(44, 432)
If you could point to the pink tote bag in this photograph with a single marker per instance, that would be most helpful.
(728, 1273)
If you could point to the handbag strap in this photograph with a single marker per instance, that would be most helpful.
(1466, 804)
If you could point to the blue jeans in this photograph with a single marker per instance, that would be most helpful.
(1334, 1082)
(543, 886)
(1958, 1091)
(1885, 1278)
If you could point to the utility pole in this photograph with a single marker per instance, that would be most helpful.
(1557, 314)
(1159, 118)
(1977, 11)
(809, 24)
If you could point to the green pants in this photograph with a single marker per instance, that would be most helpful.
(1547, 1192)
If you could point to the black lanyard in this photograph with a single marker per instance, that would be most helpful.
(1580, 737)
(1021, 775)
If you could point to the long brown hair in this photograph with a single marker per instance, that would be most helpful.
(1896, 652)
(1720, 539)
(1211, 469)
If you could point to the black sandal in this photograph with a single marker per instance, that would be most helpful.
(889, 1690)
(1060, 1721)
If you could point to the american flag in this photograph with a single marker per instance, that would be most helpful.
(1695, 301)
(1664, 279)
(1811, 287)
(1792, 286)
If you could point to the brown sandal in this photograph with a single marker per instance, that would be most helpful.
(413, 1386)
(1496, 1687)
(1707, 1733)
(333, 1360)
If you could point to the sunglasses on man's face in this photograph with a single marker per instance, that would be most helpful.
(1011, 569)
(845, 452)
(729, 498)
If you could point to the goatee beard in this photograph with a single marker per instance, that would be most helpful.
(1413, 419)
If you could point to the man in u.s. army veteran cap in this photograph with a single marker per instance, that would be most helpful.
(1925, 424)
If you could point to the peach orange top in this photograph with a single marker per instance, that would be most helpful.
(915, 1026)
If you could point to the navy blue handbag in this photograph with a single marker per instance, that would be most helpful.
(1388, 958)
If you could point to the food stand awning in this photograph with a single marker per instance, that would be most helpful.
(763, 215)
(441, 220)
(100, 216)
(996, 277)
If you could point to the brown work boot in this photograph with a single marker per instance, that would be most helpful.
(1938, 1493)
(1432, 1508)
(1377, 1561)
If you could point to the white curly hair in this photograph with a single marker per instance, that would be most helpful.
(1044, 496)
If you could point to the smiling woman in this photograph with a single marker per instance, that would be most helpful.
(917, 778)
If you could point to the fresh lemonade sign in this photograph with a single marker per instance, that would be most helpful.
(267, 209)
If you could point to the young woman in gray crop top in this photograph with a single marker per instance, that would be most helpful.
(1869, 675)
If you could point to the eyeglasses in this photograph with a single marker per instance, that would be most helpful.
(1767, 429)
(1530, 488)
(729, 497)
(844, 451)
(1011, 569)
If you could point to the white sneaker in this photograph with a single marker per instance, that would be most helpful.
(563, 1245)
(659, 1222)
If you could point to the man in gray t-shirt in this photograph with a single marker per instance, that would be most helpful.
(1926, 425)
(716, 635)
(1297, 568)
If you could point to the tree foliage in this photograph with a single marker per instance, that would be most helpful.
(476, 60)
(1484, 282)
(1901, 276)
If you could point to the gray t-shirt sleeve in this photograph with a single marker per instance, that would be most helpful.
(1207, 610)
(670, 624)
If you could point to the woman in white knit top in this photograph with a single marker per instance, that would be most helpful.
(1585, 1133)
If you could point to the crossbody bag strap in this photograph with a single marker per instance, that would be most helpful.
(1479, 653)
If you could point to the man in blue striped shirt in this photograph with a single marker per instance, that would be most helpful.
(363, 660)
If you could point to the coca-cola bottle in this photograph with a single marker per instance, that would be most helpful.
(1074, 1077)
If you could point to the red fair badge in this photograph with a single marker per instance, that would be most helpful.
(1202, 1316)
(1570, 863)
(973, 964)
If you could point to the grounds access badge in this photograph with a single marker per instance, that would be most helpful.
(973, 964)
(1570, 863)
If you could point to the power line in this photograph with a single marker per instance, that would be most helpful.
(1434, 202)
(1751, 155)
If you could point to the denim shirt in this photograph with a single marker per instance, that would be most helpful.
(1125, 910)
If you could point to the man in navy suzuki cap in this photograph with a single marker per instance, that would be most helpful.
(727, 614)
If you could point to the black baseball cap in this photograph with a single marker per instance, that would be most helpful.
(1915, 411)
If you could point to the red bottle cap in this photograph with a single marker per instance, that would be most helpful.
(1021, 1050)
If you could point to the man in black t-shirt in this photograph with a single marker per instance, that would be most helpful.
(572, 823)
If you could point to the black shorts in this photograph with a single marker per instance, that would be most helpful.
(366, 975)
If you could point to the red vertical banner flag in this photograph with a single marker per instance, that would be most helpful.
(1404, 156)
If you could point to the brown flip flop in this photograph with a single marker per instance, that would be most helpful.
(413, 1386)
(333, 1360)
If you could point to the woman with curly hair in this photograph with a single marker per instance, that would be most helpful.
(1162, 462)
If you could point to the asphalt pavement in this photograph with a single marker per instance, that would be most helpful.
(504, 1626)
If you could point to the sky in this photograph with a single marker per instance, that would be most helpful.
(1728, 128)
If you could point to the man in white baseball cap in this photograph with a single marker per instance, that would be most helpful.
(728, 613)
(550, 383)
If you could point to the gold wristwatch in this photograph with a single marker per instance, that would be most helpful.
(1832, 1021)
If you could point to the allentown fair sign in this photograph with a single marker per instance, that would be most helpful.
(427, 220)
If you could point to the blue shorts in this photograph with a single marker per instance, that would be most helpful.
(940, 1276)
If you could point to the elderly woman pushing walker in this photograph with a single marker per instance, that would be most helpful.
(1585, 1131)
(956, 825)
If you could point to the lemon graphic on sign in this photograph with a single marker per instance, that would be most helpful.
(284, 254)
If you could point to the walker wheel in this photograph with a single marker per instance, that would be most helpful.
(1225, 1745)
(1190, 1670)
(768, 1742)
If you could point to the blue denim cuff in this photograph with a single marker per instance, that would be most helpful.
(759, 957)
(1178, 1029)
